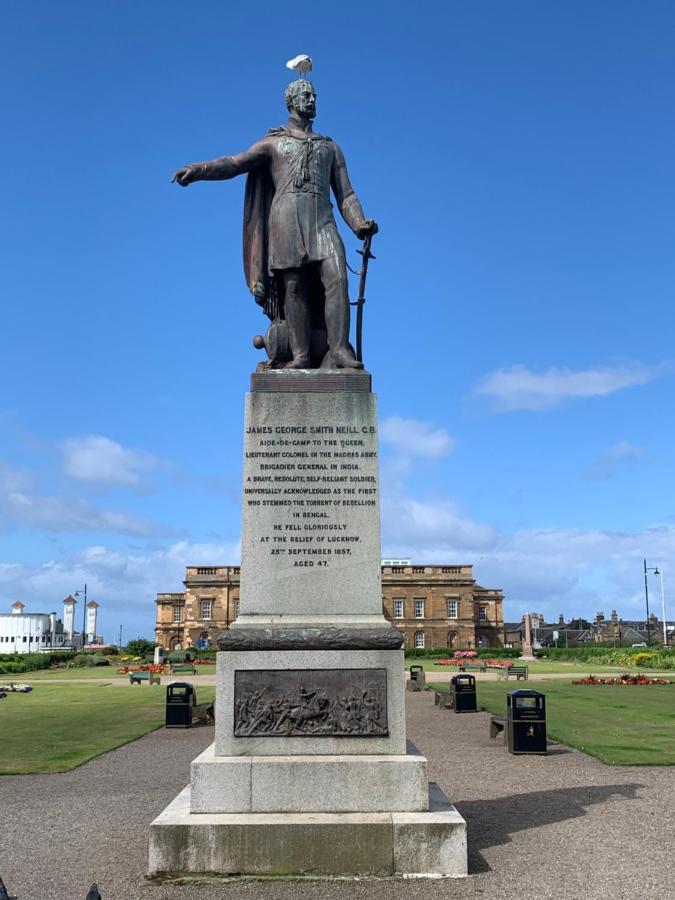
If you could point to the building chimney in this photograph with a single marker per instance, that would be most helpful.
(615, 616)
(561, 619)
(599, 617)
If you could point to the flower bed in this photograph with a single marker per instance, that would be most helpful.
(626, 678)
(156, 670)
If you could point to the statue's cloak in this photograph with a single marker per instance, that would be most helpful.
(257, 202)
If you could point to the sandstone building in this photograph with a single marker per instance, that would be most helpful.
(433, 606)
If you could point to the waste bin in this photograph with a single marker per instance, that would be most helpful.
(526, 722)
(464, 692)
(180, 699)
(417, 678)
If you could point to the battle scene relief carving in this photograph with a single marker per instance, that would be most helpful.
(311, 703)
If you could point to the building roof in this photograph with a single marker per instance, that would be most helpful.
(92, 603)
(69, 599)
(17, 603)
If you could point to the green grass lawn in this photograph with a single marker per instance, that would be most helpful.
(60, 726)
(621, 726)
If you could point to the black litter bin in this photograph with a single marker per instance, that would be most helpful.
(180, 700)
(464, 691)
(526, 722)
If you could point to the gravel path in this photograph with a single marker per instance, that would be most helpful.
(559, 826)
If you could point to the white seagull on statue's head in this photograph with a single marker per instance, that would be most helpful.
(300, 64)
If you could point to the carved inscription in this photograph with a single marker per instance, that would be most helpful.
(311, 703)
(312, 477)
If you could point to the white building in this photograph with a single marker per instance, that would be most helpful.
(22, 632)
(92, 608)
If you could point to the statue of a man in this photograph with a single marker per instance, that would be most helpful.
(294, 258)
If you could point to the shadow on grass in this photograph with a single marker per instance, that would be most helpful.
(492, 822)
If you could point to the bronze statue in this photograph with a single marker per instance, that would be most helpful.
(294, 258)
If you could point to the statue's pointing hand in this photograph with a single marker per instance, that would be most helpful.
(368, 226)
(183, 176)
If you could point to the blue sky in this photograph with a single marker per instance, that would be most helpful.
(519, 325)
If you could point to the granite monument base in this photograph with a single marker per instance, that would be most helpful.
(431, 843)
(270, 784)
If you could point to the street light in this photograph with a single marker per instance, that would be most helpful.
(644, 561)
(84, 614)
(659, 572)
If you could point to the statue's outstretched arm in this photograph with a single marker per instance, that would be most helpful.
(224, 167)
(348, 202)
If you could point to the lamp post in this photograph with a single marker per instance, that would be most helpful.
(659, 572)
(650, 569)
(84, 614)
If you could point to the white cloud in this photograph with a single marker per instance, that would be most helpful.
(518, 388)
(415, 438)
(21, 504)
(124, 583)
(573, 571)
(98, 459)
(618, 454)
(434, 526)
(410, 439)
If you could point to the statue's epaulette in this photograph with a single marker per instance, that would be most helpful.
(281, 129)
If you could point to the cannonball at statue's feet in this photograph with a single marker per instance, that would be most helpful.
(343, 359)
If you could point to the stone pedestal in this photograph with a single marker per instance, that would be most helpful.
(310, 772)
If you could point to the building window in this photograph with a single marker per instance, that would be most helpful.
(205, 608)
(483, 640)
(482, 614)
(419, 640)
(398, 609)
(453, 605)
(236, 609)
(452, 640)
(178, 614)
(174, 643)
(419, 609)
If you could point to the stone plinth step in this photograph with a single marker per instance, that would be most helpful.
(259, 784)
(429, 843)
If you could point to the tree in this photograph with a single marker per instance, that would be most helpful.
(139, 646)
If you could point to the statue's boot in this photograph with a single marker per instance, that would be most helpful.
(343, 359)
(299, 362)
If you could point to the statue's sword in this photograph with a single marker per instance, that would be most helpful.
(363, 274)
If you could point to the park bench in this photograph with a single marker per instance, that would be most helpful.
(182, 668)
(516, 672)
(472, 667)
(497, 726)
(139, 677)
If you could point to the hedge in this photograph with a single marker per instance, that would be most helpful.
(16, 663)
(616, 656)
